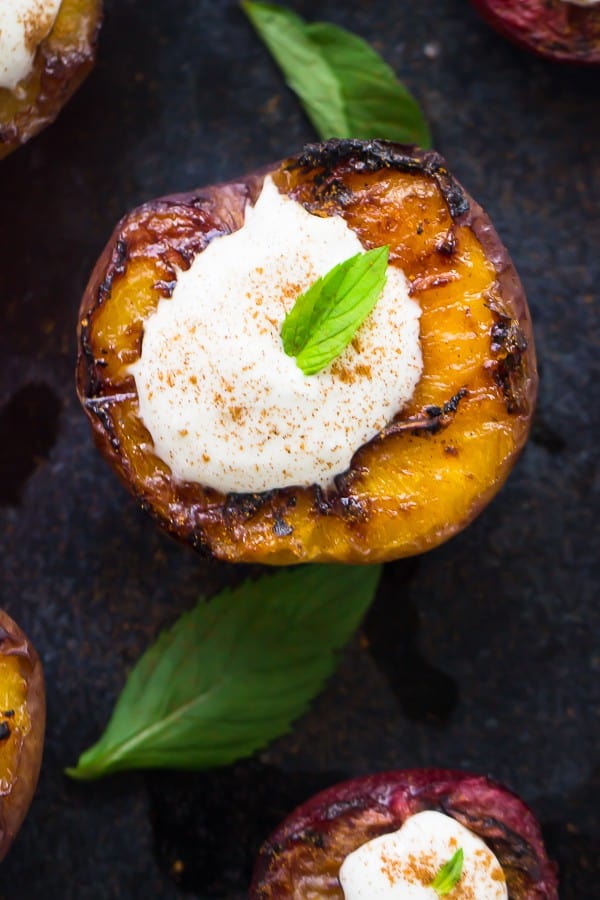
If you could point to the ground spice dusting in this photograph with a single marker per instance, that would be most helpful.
(237, 413)
(37, 23)
(415, 870)
(418, 869)
(343, 373)
(421, 870)
(269, 408)
(348, 374)
(390, 868)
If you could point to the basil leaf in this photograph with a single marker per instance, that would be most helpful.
(325, 318)
(232, 674)
(346, 88)
(449, 875)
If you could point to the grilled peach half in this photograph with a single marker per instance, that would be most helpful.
(437, 462)
(562, 30)
(62, 61)
(302, 858)
(22, 724)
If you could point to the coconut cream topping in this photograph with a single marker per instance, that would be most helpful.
(404, 863)
(23, 26)
(224, 404)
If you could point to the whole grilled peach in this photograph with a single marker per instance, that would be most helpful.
(423, 472)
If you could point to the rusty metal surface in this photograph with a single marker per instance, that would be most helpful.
(484, 654)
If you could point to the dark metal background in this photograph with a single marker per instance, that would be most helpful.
(485, 654)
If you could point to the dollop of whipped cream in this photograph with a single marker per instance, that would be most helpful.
(401, 865)
(224, 404)
(23, 26)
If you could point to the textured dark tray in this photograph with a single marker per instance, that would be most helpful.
(485, 654)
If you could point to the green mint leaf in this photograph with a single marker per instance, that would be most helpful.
(234, 673)
(346, 88)
(449, 875)
(325, 318)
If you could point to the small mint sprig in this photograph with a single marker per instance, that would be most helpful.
(449, 875)
(325, 318)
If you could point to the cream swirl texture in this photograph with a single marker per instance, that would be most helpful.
(224, 404)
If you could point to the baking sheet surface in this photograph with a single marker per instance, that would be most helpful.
(484, 654)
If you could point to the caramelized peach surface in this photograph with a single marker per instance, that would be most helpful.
(22, 724)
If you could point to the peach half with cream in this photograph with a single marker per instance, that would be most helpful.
(393, 446)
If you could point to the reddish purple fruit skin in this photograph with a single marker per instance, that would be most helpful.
(554, 29)
(463, 795)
